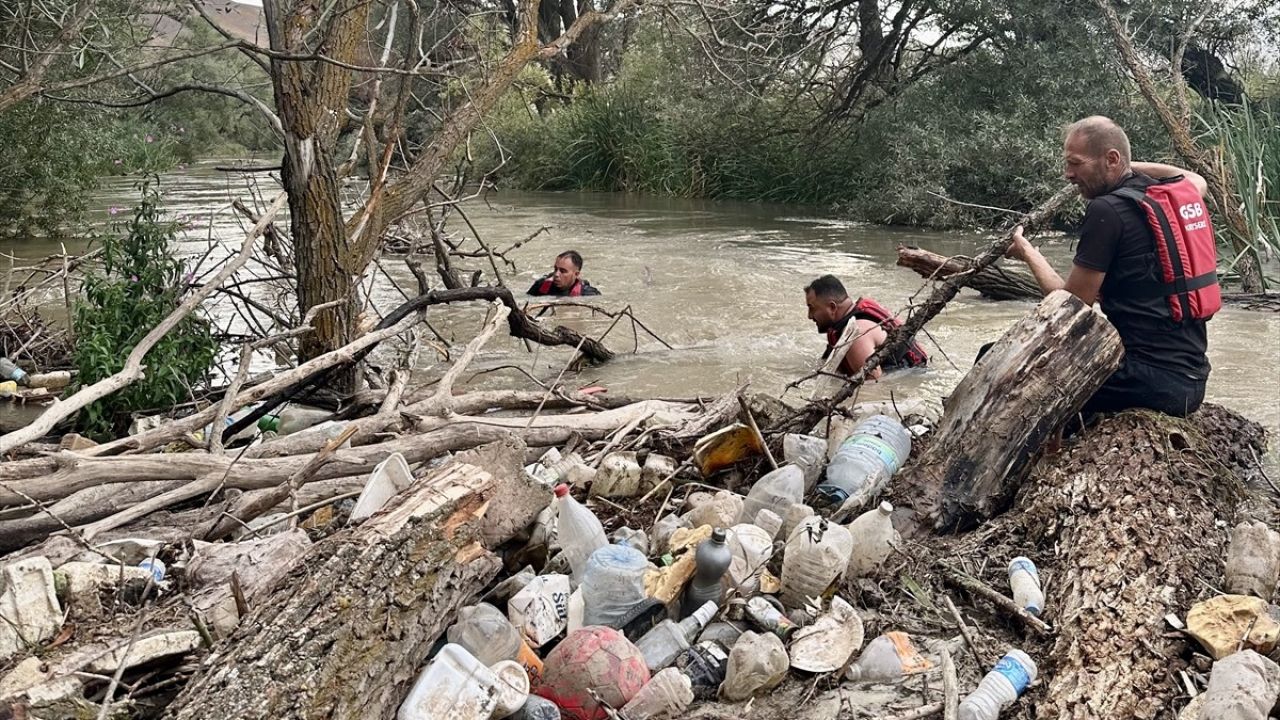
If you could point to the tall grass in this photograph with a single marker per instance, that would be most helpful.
(1249, 139)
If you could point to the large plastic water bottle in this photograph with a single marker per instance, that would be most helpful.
(712, 560)
(878, 447)
(661, 645)
(816, 554)
(1002, 686)
(486, 633)
(873, 540)
(579, 532)
(775, 491)
(1024, 579)
(612, 585)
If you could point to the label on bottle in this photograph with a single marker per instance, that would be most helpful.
(1024, 564)
(882, 449)
(1013, 671)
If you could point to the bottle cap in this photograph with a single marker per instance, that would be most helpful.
(886, 507)
(719, 536)
(269, 423)
(562, 490)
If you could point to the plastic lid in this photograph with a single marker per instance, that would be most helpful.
(562, 490)
(719, 535)
(886, 507)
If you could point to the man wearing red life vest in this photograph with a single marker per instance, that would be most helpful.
(565, 278)
(1147, 252)
(831, 309)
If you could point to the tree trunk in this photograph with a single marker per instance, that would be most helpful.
(1039, 373)
(372, 601)
(993, 282)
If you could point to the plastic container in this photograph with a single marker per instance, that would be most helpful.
(579, 532)
(656, 468)
(775, 491)
(712, 560)
(724, 633)
(770, 522)
(663, 644)
(722, 510)
(793, 516)
(454, 685)
(293, 418)
(612, 585)
(391, 477)
(660, 535)
(807, 453)
(873, 541)
(10, 371)
(618, 476)
(1024, 580)
(757, 663)
(1012, 675)
(816, 555)
(864, 463)
(667, 695)
(888, 658)
(1253, 560)
(537, 708)
(750, 548)
(486, 633)
(511, 689)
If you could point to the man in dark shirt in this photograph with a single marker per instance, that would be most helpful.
(565, 278)
(1164, 367)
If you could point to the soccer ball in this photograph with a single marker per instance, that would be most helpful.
(594, 665)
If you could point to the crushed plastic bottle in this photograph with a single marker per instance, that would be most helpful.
(454, 685)
(816, 555)
(775, 491)
(725, 633)
(807, 453)
(630, 537)
(1024, 580)
(864, 463)
(794, 515)
(667, 695)
(656, 468)
(154, 566)
(1012, 675)
(711, 559)
(770, 522)
(888, 658)
(873, 541)
(618, 476)
(663, 644)
(612, 584)
(757, 663)
(579, 532)
(486, 633)
(660, 535)
(1253, 560)
(722, 510)
(750, 548)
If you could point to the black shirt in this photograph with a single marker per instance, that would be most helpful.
(1115, 239)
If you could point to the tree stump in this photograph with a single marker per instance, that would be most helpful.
(993, 282)
(1034, 378)
(344, 634)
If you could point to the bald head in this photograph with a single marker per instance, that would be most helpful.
(1095, 152)
(1098, 134)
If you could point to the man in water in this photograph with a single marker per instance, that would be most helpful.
(831, 309)
(565, 278)
(1157, 287)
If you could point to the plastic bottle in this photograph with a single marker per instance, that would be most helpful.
(454, 685)
(579, 532)
(808, 453)
(770, 522)
(1002, 686)
(765, 616)
(888, 658)
(612, 584)
(537, 708)
(816, 554)
(660, 535)
(630, 537)
(775, 491)
(661, 645)
(873, 541)
(1253, 560)
(10, 371)
(486, 633)
(750, 548)
(666, 695)
(1024, 579)
(293, 418)
(155, 566)
(757, 662)
(864, 463)
(712, 560)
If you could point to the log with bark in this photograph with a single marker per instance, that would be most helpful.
(1033, 379)
(994, 282)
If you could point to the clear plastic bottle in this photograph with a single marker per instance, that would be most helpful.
(1024, 580)
(873, 540)
(1011, 677)
(864, 463)
(579, 532)
(808, 453)
(888, 658)
(757, 663)
(775, 491)
(486, 633)
(612, 585)
(664, 697)
(816, 554)
(712, 560)
(661, 645)
(750, 548)
(293, 418)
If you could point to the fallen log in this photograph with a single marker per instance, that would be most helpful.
(992, 281)
(995, 421)
(372, 600)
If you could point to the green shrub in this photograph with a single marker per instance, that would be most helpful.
(140, 283)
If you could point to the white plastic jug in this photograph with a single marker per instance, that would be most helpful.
(751, 547)
(873, 541)
(454, 685)
(816, 555)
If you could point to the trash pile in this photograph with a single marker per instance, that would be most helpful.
(647, 586)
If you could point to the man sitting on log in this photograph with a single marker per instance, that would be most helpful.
(1147, 250)
(565, 278)
(831, 309)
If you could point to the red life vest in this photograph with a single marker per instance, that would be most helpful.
(1185, 248)
(868, 309)
(546, 287)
